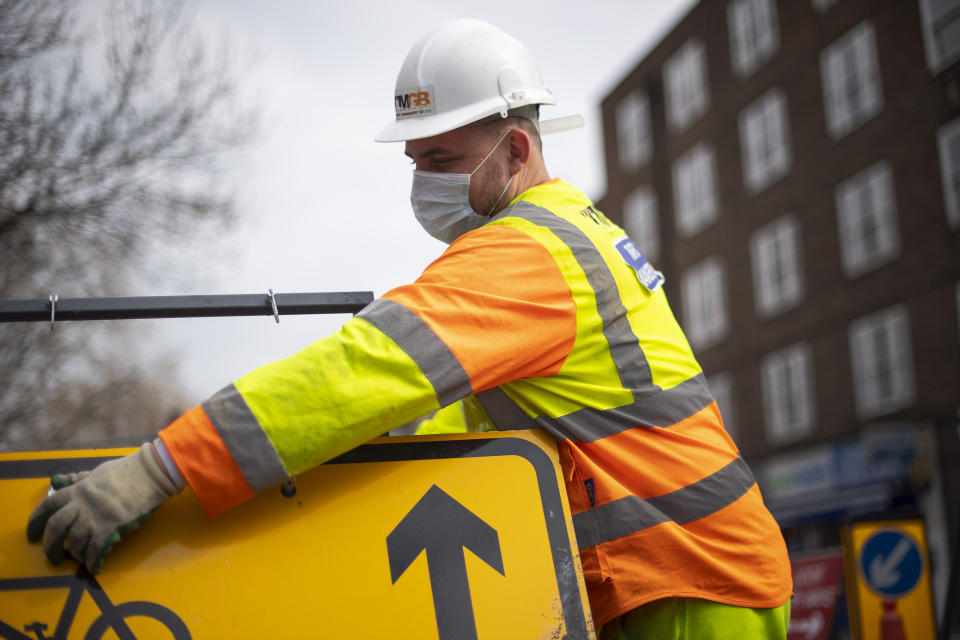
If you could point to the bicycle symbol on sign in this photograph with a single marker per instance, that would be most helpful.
(112, 616)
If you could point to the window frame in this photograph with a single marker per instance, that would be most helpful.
(950, 174)
(776, 248)
(850, 66)
(723, 388)
(686, 85)
(765, 143)
(754, 33)
(634, 134)
(641, 220)
(936, 60)
(695, 189)
(877, 180)
(706, 316)
(821, 6)
(788, 423)
(870, 399)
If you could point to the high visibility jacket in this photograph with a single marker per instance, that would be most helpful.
(538, 317)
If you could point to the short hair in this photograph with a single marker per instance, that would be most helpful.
(526, 117)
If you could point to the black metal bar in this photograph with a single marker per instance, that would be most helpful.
(202, 306)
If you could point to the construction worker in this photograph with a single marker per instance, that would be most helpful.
(540, 314)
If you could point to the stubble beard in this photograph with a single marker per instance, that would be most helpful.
(491, 185)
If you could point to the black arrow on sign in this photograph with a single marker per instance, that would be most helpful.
(443, 527)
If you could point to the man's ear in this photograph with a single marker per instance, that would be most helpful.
(520, 145)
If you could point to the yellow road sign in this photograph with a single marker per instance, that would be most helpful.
(888, 580)
(443, 537)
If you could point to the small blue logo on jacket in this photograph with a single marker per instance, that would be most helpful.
(631, 254)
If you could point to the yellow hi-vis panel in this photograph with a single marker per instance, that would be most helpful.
(447, 537)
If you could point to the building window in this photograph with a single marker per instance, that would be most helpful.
(852, 92)
(704, 303)
(948, 139)
(754, 35)
(882, 362)
(866, 215)
(640, 221)
(685, 80)
(787, 393)
(694, 189)
(634, 145)
(941, 31)
(777, 275)
(721, 385)
(765, 141)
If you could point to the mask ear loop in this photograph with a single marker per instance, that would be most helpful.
(494, 205)
(491, 151)
(506, 186)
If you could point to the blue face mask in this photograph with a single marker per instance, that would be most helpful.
(441, 201)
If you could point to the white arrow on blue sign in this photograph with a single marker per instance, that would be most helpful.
(890, 563)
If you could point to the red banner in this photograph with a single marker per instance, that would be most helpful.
(817, 578)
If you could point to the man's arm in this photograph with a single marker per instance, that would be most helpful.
(492, 309)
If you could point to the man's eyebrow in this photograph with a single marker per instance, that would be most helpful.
(429, 153)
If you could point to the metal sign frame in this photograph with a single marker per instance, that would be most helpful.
(56, 309)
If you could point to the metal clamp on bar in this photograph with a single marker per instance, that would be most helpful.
(54, 298)
(273, 305)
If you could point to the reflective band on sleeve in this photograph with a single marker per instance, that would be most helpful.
(198, 450)
(623, 343)
(504, 412)
(662, 409)
(628, 515)
(436, 361)
(245, 439)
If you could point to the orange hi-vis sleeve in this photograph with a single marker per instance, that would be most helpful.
(476, 318)
(205, 462)
(505, 314)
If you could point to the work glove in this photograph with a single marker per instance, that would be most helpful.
(92, 510)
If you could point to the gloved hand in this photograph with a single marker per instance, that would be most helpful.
(94, 509)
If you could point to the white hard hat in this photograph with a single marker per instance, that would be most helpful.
(458, 73)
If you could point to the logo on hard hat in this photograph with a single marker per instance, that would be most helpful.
(413, 103)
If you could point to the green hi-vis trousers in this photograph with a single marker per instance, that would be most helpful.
(695, 619)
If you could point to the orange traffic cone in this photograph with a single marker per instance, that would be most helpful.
(891, 624)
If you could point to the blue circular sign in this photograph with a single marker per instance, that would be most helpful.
(890, 563)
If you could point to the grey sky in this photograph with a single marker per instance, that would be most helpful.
(324, 207)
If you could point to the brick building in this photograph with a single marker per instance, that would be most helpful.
(793, 167)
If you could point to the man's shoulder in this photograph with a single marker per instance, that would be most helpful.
(554, 195)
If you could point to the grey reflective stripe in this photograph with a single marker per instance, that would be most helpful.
(652, 405)
(506, 415)
(245, 439)
(622, 517)
(448, 377)
(623, 343)
(663, 409)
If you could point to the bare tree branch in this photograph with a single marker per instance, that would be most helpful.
(101, 157)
